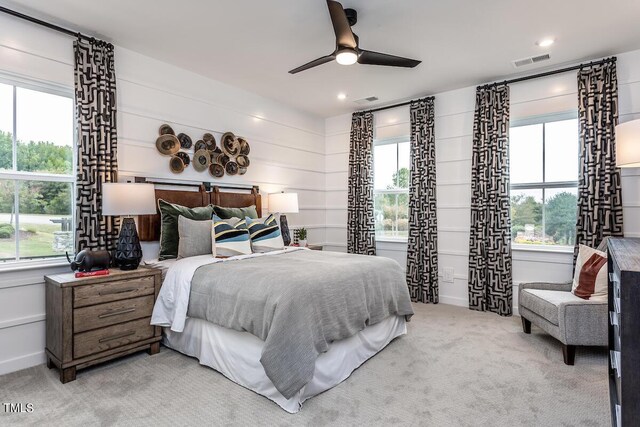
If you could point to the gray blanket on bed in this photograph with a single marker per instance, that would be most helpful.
(298, 303)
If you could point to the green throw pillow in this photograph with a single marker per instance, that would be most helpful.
(226, 213)
(169, 214)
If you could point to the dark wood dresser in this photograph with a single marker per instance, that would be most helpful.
(95, 319)
(624, 331)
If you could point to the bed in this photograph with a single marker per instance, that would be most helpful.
(288, 324)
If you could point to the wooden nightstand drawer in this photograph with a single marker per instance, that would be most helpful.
(111, 313)
(112, 291)
(92, 342)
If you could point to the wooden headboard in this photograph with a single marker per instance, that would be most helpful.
(149, 225)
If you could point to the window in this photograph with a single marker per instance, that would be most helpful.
(36, 171)
(391, 164)
(543, 157)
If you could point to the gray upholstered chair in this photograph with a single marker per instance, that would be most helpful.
(568, 318)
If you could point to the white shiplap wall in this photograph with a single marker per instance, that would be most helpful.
(453, 128)
(287, 151)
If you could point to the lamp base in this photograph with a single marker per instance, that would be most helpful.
(284, 230)
(128, 251)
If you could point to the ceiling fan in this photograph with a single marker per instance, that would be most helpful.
(347, 50)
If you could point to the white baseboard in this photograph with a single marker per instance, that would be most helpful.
(22, 362)
(457, 301)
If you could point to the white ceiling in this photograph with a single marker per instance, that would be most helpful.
(252, 44)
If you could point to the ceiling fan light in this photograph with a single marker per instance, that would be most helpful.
(346, 57)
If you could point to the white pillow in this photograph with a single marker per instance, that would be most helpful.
(590, 276)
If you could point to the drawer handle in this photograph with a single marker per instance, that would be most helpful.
(115, 337)
(115, 313)
(118, 291)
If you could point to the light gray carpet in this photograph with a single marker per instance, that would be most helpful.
(456, 367)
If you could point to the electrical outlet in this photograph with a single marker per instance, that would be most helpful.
(447, 275)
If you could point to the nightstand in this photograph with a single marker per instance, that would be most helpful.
(95, 319)
(315, 247)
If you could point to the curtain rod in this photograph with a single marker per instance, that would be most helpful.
(516, 80)
(552, 72)
(395, 105)
(48, 25)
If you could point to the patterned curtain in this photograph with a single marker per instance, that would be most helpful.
(422, 250)
(599, 191)
(95, 97)
(490, 281)
(361, 234)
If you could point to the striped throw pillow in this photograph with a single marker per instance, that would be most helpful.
(265, 234)
(590, 277)
(230, 238)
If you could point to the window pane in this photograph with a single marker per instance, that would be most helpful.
(391, 214)
(385, 165)
(44, 132)
(525, 154)
(561, 151)
(6, 127)
(7, 221)
(526, 217)
(45, 218)
(404, 165)
(560, 211)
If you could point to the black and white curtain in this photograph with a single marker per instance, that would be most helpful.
(95, 98)
(599, 190)
(422, 249)
(360, 222)
(490, 265)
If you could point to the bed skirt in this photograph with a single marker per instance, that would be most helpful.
(236, 355)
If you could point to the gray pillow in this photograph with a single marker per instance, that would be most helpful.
(226, 213)
(195, 237)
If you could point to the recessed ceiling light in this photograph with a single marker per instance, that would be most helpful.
(342, 96)
(545, 42)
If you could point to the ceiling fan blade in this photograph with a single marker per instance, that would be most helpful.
(313, 63)
(344, 36)
(368, 57)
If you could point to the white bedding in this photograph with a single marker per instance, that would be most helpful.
(171, 306)
(236, 355)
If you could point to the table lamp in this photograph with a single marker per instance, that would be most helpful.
(128, 199)
(284, 203)
(628, 144)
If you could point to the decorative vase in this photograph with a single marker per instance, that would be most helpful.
(302, 243)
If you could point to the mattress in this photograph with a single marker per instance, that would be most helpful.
(236, 355)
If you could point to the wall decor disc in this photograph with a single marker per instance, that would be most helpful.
(185, 141)
(200, 145)
(168, 144)
(216, 170)
(208, 137)
(185, 158)
(242, 171)
(211, 145)
(231, 168)
(176, 164)
(223, 159)
(244, 146)
(165, 129)
(201, 160)
(230, 144)
(217, 150)
(243, 161)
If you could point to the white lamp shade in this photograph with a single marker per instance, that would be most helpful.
(119, 198)
(283, 202)
(628, 144)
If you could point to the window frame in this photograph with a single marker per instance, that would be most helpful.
(17, 81)
(397, 140)
(543, 185)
